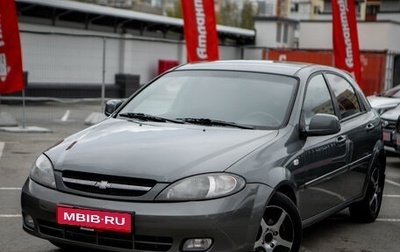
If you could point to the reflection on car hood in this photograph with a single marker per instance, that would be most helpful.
(164, 152)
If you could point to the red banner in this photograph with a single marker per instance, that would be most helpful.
(345, 37)
(11, 77)
(200, 30)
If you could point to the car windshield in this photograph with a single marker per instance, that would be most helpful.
(216, 98)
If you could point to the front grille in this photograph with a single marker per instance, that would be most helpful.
(391, 125)
(106, 184)
(108, 239)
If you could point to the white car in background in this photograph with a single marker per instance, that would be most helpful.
(391, 129)
(386, 101)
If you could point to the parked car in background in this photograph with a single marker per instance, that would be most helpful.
(385, 101)
(391, 129)
(213, 156)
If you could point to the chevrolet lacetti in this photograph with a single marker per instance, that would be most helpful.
(213, 156)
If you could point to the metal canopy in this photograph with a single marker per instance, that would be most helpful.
(60, 12)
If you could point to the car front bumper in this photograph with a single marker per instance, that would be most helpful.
(231, 222)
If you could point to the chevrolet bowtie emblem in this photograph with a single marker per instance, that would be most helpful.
(103, 184)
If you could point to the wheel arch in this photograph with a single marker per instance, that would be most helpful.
(282, 180)
(379, 156)
(288, 191)
(382, 159)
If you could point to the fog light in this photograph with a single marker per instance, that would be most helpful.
(28, 220)
(198, 244)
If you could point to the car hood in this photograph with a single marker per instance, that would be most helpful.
(380, 101)
(164, 152)
(392, 114)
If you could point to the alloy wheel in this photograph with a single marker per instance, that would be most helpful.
(376, 191)
(276, 231)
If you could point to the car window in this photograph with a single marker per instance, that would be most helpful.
(345, 95)
(255, 99)
(317, 99)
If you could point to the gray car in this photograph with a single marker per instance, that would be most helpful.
(214, 156)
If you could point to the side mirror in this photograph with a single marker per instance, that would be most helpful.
(323, 124)
(111, 106)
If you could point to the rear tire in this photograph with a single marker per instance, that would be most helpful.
(367, 210)
(280, 228)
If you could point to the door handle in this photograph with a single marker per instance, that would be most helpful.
(370, 126)
(341, 139)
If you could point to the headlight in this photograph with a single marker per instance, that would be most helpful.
(42, 172)
(205, 186)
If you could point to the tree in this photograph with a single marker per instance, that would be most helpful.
(247, 15)
(176, 10)
(228, 14)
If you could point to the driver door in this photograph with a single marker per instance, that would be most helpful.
(323, 158)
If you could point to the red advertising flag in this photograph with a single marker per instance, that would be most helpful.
(200, 30)
(345, 38)
(11, 77)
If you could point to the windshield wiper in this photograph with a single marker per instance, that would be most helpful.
(212, 122)
(147, 117)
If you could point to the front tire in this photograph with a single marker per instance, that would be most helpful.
(280, 228)
(367, 210)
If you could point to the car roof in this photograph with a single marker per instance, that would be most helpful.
(265, 66)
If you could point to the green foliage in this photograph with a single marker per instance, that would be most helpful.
(231, 15)
(247, 15)
(176, 10)
(228, 14)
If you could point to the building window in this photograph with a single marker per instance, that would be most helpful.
(278, 32)
(317, 9)
(294, 7)
(371, 12)
(285, 33)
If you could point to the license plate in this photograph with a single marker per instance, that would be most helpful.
(94, 219)
(387, 136)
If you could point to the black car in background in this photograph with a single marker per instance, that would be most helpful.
(214, 156)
